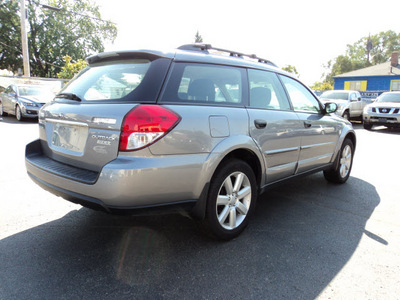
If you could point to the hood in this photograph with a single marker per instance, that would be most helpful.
(385, 104)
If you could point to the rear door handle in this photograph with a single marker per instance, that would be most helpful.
(307, 124)
(260, 124)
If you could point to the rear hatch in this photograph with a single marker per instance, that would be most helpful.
(81, 127)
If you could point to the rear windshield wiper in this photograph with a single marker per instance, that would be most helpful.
(69, 96)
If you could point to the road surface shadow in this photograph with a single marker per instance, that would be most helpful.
(12, 120)
(300, 237)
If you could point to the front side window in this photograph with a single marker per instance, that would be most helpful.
(302, 99)
(202, 83)
(353, 97)
(109, 81)
(266, 91)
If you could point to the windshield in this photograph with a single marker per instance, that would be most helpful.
(33, 91)
(108, 81)
(335, 95)
(389, 98)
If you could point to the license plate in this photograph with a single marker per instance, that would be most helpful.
(382, 120)
(71, 137)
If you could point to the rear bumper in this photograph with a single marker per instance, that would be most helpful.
(123, 184)
(97, 204)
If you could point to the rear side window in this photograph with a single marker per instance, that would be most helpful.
(137, 80)
(266, 91)
(202, 83)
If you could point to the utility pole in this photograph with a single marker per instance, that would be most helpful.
(24, 38)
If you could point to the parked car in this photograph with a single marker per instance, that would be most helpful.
(350, 104)
(24, 101)
(384, 111)
(143, 129)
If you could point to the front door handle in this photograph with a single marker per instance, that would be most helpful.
(307, 124)
(260, 124)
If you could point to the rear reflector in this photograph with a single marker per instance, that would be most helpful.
(146, 124)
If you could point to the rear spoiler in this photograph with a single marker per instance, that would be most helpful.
(120, 55)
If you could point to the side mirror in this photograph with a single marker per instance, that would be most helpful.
(330, 107)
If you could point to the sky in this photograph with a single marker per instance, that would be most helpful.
(304, 33)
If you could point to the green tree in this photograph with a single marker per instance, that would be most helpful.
(75, 29)
(322, 86)
(70, 69)
(291, 69)
(10, 36)
(198, 38)
(356, 56)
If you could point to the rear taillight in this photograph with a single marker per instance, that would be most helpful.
(146, 124)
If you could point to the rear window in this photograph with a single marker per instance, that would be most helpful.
(202, 83)
(137, 80)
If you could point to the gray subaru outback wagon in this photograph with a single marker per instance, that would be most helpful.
(193, 128)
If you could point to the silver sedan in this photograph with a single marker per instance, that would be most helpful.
(24, 101)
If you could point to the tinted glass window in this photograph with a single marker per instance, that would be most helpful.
(202, 83)
(266, 91)
(108, 81)
(302, 99)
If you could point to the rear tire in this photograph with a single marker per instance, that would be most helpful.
(231, 199)
(342, 169)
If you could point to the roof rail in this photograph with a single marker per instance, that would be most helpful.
(206, 47)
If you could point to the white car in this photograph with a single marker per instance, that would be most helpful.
(349, 103)
(384, 111)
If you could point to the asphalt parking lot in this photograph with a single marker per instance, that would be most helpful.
(308, 238)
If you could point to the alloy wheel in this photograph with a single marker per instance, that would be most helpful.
(233, 201)
(345, 161)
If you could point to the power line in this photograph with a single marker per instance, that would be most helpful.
(62, 10)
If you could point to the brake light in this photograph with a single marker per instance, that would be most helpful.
(146, 124)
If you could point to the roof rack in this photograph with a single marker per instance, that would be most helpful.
(206, 47)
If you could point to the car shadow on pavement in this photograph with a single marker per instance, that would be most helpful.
(12, 120)
(299, 239)
(378, 129)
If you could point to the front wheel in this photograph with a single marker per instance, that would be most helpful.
(367, 126)
(231, 200)
(346, 115)
(2, 113)
(18, 113)
(342, 169)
